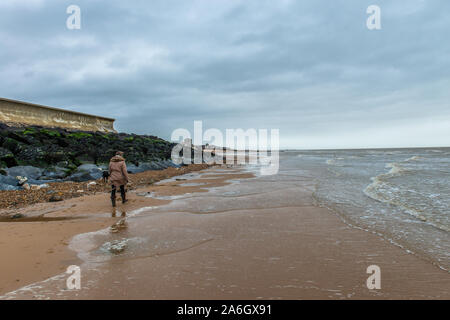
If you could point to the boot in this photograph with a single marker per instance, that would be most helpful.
(113, 197)
(123, 194)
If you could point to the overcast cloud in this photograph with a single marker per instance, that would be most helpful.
(309, 68)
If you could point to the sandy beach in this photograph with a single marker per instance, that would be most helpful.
(35, 248)
(221, 234)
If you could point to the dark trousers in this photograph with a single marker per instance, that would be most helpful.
(113, 194)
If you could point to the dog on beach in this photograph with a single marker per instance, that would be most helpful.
(105, 176)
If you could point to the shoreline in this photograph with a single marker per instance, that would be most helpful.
(321, 255)
(358, 226)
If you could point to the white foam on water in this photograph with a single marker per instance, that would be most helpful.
(34, 290)
(403, 195)
(384, 191)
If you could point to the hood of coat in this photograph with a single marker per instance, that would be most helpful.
(117, 158)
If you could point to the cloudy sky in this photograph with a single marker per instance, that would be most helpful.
(310, 68)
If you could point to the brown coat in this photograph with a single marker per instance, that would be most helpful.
(118, 171)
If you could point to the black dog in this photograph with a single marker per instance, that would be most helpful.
(105, 176)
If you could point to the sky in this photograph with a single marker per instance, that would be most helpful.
(310, 68)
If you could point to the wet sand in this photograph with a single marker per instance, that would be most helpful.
(269, 242)
(35, 248)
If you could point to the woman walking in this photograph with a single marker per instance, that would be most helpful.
(118, 177)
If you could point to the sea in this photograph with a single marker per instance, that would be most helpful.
(401, 194)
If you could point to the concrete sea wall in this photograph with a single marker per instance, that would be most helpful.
(18, 113)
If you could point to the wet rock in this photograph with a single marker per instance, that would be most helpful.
(41, 182)
(63, 164)
(39, 187)
(156, 165)
(83, 176)
(8, 180)
(97, 175)
(25, 171)
(21, 180)
(91, 185)
(116, 246)
(168, 164)
(5, 153)
(54, 173)
(8, 187)
(86, 172)
(131, 168)
(56, 198)
(7, 157)
(88, 168)
(173, 165)
(37, 146)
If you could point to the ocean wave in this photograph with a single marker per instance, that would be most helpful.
(396, 169)
(376, 192)
(383, 191)
(334, 161)
(403, 196)
(415, 158)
